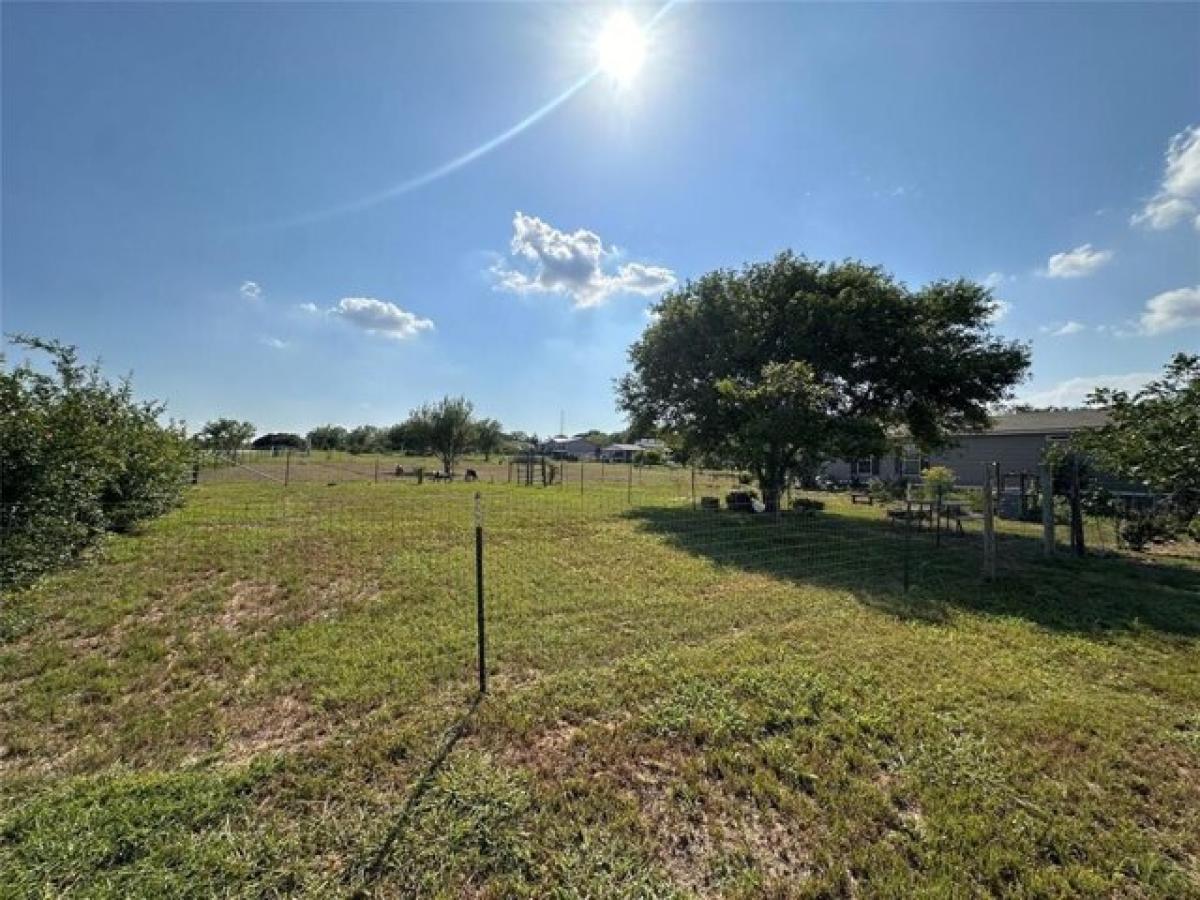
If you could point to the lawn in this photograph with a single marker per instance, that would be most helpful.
(272, 691)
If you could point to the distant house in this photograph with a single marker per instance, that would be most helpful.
(563, 447)
(620, 453)
(1015, 441)
(653, 444)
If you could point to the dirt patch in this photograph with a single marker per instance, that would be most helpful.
(250, 605)
(697, 823)
(278, 723)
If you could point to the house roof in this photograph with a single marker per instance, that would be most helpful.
(568, 440)
(632, 448)
(1047, 421)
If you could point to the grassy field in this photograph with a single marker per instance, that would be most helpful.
(273, 692)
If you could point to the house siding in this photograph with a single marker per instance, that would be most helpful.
(966, 458)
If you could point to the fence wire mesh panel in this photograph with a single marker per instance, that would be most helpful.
(583, 561)
(350, 599)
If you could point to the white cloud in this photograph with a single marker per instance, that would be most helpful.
(572, 264)
(1063, 329)
(1074, 391)
(1178, 196)
(1171, 310)
(993, 280)
(1077, 263)
(251, 290)
(309, 308)
(274, 343)
(1161, 213)
(380, 317)
(1000, 309)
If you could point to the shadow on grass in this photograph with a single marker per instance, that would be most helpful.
(1094, 595)
(374, 869)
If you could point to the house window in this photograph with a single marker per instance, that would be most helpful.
(865, 467)
(912, 464)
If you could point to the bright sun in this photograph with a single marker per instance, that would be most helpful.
(621, 47)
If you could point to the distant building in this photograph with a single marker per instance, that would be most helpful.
(1015, 441)
(562, 447)
(620, 453)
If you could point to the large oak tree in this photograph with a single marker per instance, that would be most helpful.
(784, 364)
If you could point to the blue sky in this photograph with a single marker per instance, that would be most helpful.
(169, 173)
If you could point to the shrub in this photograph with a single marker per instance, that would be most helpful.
(805, 505)
(78, 457)
(1149, 528)
(745, 478)
(742, 501)
(937, 481)
(886, 491)
(1193, 528)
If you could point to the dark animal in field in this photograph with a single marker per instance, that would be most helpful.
(442, 476)
(470, 475)
(399, 471)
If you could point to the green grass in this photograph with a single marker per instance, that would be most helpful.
(270, 692)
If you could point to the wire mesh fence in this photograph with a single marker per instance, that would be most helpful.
(580, 560)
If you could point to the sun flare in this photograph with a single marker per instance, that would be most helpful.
(621, 47)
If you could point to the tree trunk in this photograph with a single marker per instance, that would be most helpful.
(770, 480)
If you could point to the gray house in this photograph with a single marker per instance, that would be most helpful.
(1016, 442)
(563, 447)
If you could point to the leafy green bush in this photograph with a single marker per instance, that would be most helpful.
(78, 457)
(937, 481)
(805, 505)
(1193, 528)
(1149, 528)
(886, 491)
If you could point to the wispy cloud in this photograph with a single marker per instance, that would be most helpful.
(1074, 391)
(1178, 196)
(1171, 310)
(309, 308)
(1000, 311)
(577, 265)
(1062, 329)
(251, 290)
(274, 343)
(1078, 263)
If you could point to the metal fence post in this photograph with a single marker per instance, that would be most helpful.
(907, 541)
(479, 611)
(937, 517)
(693, 488)
(1047, 484)
(629, 486)
(377, 470)
(287, 467)
(989, 525)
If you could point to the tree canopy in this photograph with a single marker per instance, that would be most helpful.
(489, 437)
(224, 436)
(447, 427)
(785, 363)
(1153, 435)
(327, 437)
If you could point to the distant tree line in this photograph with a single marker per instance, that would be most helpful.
(447, 428)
